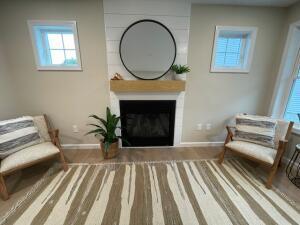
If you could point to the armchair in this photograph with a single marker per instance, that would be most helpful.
(48, 149)
(271, 157)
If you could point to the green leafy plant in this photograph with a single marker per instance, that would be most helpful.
(106, 128)
(180, 69)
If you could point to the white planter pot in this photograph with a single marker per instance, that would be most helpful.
(179, 76)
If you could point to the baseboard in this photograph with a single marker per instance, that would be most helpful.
(200, 144)
(182, 144)
(80, 146)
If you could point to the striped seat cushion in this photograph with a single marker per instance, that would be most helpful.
(17, 134)
(256, 129)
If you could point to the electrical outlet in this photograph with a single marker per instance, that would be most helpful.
(208, 126)
(75, 129)
(199, 126)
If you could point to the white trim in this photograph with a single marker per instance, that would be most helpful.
(73, 24)
(58, 68)
(147, 147)
(283, 84)
(228, 70)
(201, 144)
(252, 31)
(182, 144)
(80, 146)
(178, 97)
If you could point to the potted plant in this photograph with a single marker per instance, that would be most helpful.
(180, 71)
(106, 130)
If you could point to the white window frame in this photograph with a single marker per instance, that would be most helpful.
(286, 75)
(248, 57)
(294, 77)
(73, 25)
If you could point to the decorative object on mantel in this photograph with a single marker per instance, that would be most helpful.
(117, 76)
(180, 71)
(107, 130)
(147, 49)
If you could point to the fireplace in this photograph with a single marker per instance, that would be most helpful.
(147, 122)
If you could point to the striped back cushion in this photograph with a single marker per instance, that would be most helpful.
(17, 134)
(255, 129)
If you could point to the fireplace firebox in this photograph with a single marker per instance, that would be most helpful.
(147, 122)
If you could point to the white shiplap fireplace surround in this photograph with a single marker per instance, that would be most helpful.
(118, 15)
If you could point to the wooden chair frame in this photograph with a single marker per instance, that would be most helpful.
(54, 133)
(272, 167)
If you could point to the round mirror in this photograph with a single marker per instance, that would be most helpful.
(147, 49)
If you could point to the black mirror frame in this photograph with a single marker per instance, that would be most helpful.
(153, 21)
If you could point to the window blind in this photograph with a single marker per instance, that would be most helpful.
(228, 53)
(292, 111)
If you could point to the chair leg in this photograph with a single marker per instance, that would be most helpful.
(63, 162)
(280, 162)
(3, 188)
(222, 155)
(271, 176)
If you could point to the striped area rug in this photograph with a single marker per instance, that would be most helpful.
(154, 193)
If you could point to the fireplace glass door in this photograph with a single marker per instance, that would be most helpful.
(148, 123)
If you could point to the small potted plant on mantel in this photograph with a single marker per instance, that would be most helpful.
(106, 131)
(180, 71)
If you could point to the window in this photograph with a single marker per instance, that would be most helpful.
(55, 45)
(233, 49)
(292, 110)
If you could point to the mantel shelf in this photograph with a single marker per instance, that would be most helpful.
(147, 85)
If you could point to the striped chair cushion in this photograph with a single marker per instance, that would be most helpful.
(17, 134)
(256, 129)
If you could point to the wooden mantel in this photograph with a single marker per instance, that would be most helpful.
(147, 85)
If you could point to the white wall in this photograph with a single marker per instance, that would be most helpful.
(68, 97)
(216, 97)
(8, 98)
(293, 13)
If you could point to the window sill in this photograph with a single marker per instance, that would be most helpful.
(225, 70)
(60, 68)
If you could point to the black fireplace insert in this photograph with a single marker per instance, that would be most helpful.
(147, 122)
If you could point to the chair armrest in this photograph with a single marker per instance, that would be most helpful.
(282, 144)
(283, 141)
(229, 130)
(231, 127)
